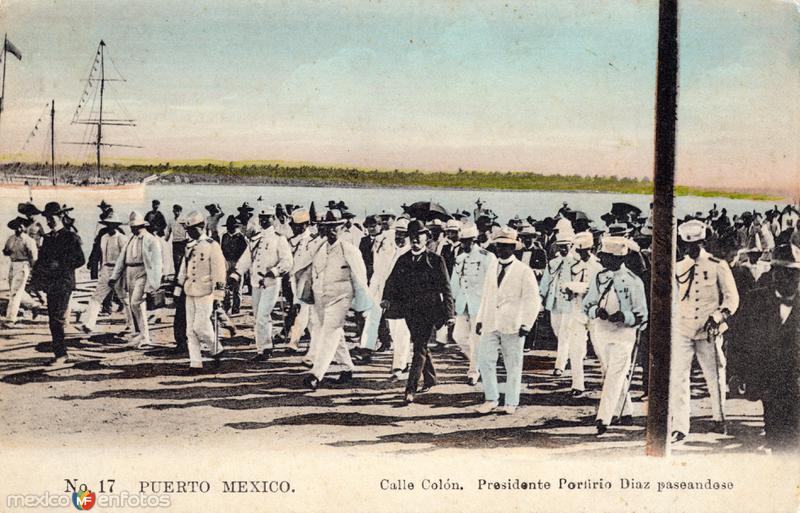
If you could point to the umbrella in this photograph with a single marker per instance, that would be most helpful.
(427, 211)
(574, 215)
(312, 212)
(623, 210)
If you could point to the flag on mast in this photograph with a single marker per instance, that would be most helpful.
(10, 48)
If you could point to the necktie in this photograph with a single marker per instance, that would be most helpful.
(502, 273)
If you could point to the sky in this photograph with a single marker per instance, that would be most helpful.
(547, 86)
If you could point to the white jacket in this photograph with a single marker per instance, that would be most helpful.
(514, 304)
(268, 251)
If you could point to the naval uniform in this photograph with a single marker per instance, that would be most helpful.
(268, 252)
(555, 275)
(22, 251)
(54, 274)
(202, 279)
(706, 288)
(615, 291)
(467, 283)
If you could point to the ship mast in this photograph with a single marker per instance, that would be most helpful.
(53, 141)
(100, 115)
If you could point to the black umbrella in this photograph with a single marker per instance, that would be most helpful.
(427, 211)
(312, 213)
(622, 210)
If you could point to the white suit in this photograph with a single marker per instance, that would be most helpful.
(139, 267)
(506, 307)
(268, 252)
(22, 251)
(111, 245)
(574, 324)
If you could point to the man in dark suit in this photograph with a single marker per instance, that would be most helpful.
(418, 290)
(54, 273)
(766, 335)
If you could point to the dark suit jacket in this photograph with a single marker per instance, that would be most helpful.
(59, 256)
(419, 290)
(365, 246)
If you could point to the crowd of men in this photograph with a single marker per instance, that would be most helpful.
(428, 278)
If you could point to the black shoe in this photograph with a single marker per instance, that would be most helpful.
(719, 427)
(576, 393)
(439, 346)
(626, 420)
(407, 368)
(193, 371)
(408, 398)
(231, 329)
(262, 356)
(384, 347)
(472, 381)
(601, 428)
(307, 365)
(557, 372)
(345, 378)
(278, 339)
(362, 359)
(676, 437)
(311, 382)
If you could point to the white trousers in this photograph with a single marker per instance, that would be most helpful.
(468, 341)
(264, 300)
(199, 327)
(712, 362)
(510, 345)
(618, 342)
(328, 335)
(562, 349)
(135, 298)
(18, 274)
(102, 289)
(401, 338)
(573, 336)
(300, 324)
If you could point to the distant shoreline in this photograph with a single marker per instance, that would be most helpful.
(319, 177)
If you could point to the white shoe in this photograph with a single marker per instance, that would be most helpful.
(509, 410)
(486, 407)
(145, 343)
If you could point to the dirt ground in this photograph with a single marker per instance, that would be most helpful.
(119, 395)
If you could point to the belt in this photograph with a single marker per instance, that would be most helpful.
(137, 264)
(22, 260)
(109, 265)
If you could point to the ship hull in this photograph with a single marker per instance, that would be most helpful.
(132, 192)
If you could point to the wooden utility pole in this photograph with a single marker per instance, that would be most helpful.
(662, 278)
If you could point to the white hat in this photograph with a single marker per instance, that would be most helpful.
(137, 219)
(583, 240)
(646, 230)
(452, 224)
(267, 210)
(300, 215)
(615, 245)
(387, 213)
(193, 218)
(401, 225)
(528, 229)
(435, 222)
(468, 231)
(692, 231)
(564, 237)
(506, 235)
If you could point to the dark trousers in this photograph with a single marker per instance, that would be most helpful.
(233, 292)
(57, 305)
(421, 331)
(178, 250)
(782, 412)
(384, 335)
(179, 323)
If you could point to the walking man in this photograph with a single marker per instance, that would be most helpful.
(473, 269)
(234, 245)
(202, 280)
(707, 298)
(54, 273)
(418, 290)
(268, 258)
(112, 243)
(617, 306)
(339, 282)
(139, 267)
(555, 275)
(509, 306)
(22, 251)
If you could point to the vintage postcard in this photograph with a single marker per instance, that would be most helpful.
(369, 256)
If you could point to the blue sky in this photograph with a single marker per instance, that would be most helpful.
(551, 86)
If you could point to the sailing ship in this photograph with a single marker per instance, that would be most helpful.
(91, 112)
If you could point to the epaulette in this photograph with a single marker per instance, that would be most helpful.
(714, 259)
(483, 251)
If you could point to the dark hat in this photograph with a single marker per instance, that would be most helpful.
(103, 205)
(112, 220)
(416, 227)
(28, 209)
(212, 208)
(17, 222)
(245, 207)
(332, 217)
(347, 215)
(156, 202)
(370, 221)
(231, 221)
(177, 207)
(460, 214)
(53, 209)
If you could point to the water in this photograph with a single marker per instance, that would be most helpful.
(361, 201)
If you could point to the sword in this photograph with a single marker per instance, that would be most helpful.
(629, 376)
(712, 339)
